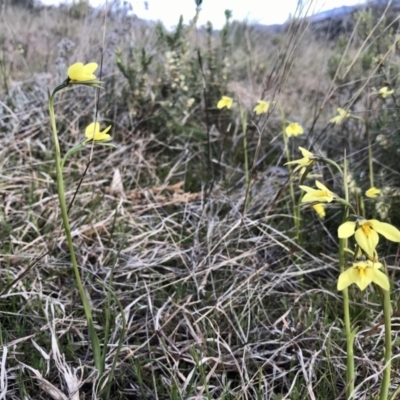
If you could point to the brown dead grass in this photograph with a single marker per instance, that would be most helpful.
(208, 301)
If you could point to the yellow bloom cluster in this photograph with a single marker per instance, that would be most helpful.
(262, 107)
(366, 232)
(84, 74)
(366, 235)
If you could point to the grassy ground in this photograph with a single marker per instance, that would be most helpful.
(198, 284)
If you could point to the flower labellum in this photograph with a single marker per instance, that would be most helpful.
(320, 210)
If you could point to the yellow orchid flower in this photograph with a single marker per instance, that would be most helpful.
(92, 132)
(372, 192)
(262, 107)
(307, 159)
(320, 195)
(341, 117)
(225, 102)
(385, 92)
(363, 273)
(82, 73)
(294, 129)
(366, 233)
(320, 210)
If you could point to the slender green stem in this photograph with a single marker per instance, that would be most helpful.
(344, 202)
(346, 307)
(296, 208)
(331, 162)
(75, 149)
(388, 345)
(347, 324)
(63, 205)
(395, 395)
(246, 156)
(370, 159)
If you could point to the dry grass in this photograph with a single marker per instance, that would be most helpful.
(192, 297)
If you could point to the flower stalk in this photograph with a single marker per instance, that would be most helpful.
(296, 208)
(246, 156)
(370, 156)
(388, 344)
(64, 213)
(350, 335)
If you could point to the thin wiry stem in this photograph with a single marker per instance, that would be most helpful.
(64, 213)
(346, 308)
(388, 345)
(296, 209)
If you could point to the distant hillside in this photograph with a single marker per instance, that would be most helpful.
(339, 20)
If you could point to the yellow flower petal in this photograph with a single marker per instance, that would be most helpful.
(320, 210)
(91, 129)
(103, 135)
(320, 186)
(307, 189)
(346, 229)
(388, 231)
(74, 71)
(317, 196)
(305, 153)
(346, 278)
(367, 239)
(372, 192)
(381, 279)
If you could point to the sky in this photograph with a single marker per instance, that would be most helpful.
(169, 11)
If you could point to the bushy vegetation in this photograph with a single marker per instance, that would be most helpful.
(207, 277)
